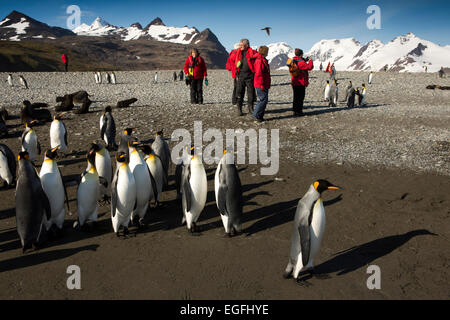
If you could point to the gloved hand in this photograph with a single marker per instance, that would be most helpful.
(206, 81)
(239, 64)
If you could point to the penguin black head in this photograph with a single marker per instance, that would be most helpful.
(51, 153)
(108, 109)
(133, 143)
(91, 156)
(323, 185)
(95, 147)
(129, 131)
(23, 156)
(363, 85)
(159, 133)
(121, 157)
(146, 149)
(26, 103)
(58, 116)
(30, 124)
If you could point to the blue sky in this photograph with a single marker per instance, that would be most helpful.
(300, 23)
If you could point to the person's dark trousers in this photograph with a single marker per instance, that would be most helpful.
(263, 96)
(299, 97)
(234, 97)
(66, 65)
(197, 91)
(245, 83)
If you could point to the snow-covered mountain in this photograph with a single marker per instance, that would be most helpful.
(16, 27)
(155, 30)
(404, 53)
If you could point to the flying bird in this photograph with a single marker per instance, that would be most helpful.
(267, 30)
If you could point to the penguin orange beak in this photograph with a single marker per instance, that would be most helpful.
(334, 188)
(54, 149)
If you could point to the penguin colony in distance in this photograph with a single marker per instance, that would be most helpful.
(23, 82)
(113, 78)
(10, 80)
(156, 77)
(309, 227)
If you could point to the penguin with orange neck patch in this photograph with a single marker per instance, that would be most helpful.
(309, 227)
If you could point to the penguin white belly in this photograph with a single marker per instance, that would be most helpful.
(327, 93)
(143, 189)
(5, 173)
(317, 230)
(87, 196)
(126, 198)
(198, 184)
(54, 189)
(157, 170)
(30, 145)
(57, 133)
(104, 169)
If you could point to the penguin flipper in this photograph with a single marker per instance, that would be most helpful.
(65, 190)
(38, 147)
(22, 139)
(65, 133)
(222, 193)
(46, 204)
(305, 236)
(114, 194)
(187, 193)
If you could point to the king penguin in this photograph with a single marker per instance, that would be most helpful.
(30, 142)
(182, 164)
(96, 77)
(193, 190)
(156, 170)
(104, 169)
(327, 91)
(161, 149)
(10, 80)
(124, 139)
(108, 77)
(52, 183)
(113, 78)
(145, 185)
(348, 91)
(99, 77)
(228, 190)
(334, 93)
(108, 129)
(58, 134)
(309, 227)
(156, 77)
(7, 165)
(363, 95)
(88, 192)
(123, 194)
(370, 77)
(31, 203)
(23, 82)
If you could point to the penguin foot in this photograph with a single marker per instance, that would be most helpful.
(76, 225)
(126, 231)
(105, 201)
(287, 275)
(141, 224)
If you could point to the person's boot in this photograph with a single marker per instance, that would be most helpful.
(250, 108)
(239, 110)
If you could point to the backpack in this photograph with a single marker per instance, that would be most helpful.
(294, 71)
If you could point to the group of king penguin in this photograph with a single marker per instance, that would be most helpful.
(140, 176)
(353, 96)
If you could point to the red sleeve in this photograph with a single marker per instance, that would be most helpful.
(186, 66)
(230, 60)
(302, 65)
(204, 68)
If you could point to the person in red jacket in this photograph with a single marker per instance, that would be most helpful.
(65, 61)
(300, 82)
(231, 66)
(262, 82)
(245, 71)
(195, 70)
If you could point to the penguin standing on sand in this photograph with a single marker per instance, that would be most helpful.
(88, 192)
(370, 77)
(327, 91)
(7, 165)
(334, 93)
(99, 77)
(10, 80)
(113, 78)
(156, 170)
(194, 189)
(161, 149)
(96, 77)
(228, 190)
(123, 194)
(156, 77)
(23, 82)
(108, 77)
(58, 134)
(363, 95)
(357, 97)
(30, 142)
(52, 183)
(348, 91)
(309, 227)
(145, 185)
(108, 129)
(104, 169)
(31, 203)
